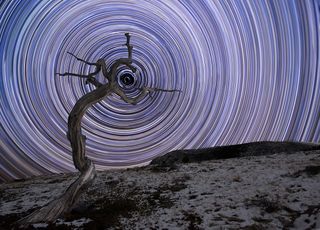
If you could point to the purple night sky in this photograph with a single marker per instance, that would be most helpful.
(249, 71)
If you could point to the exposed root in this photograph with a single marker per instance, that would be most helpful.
(63, 204)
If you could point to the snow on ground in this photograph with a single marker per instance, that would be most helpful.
(278, 191)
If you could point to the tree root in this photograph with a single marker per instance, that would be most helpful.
(63, 204)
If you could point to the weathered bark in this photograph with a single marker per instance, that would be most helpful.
(63, 204)
(74, 134)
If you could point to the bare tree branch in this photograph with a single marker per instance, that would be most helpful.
(89, 77)
(130, 47)
(151, 90)
(144, 91)
(111, 76)
(132, 101)
(79, 59)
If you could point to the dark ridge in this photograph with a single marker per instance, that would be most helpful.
(232, 151)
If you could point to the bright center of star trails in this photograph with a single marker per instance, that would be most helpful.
(249, 71)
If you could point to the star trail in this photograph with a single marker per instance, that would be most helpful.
(248, 71)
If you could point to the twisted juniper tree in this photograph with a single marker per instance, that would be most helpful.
(63, 204)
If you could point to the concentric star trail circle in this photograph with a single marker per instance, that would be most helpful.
(248, 71)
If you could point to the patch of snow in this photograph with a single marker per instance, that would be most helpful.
(75, 223)
(40, 225)
(267, 192)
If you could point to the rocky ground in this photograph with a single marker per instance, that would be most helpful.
(274, 190)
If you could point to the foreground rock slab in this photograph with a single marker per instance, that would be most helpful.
(279, 191)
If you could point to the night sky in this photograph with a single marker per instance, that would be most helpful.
(249, 71)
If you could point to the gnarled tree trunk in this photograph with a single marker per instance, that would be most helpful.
(63, 204)
(57, 207)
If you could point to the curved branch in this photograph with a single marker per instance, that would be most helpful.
(111, 75)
